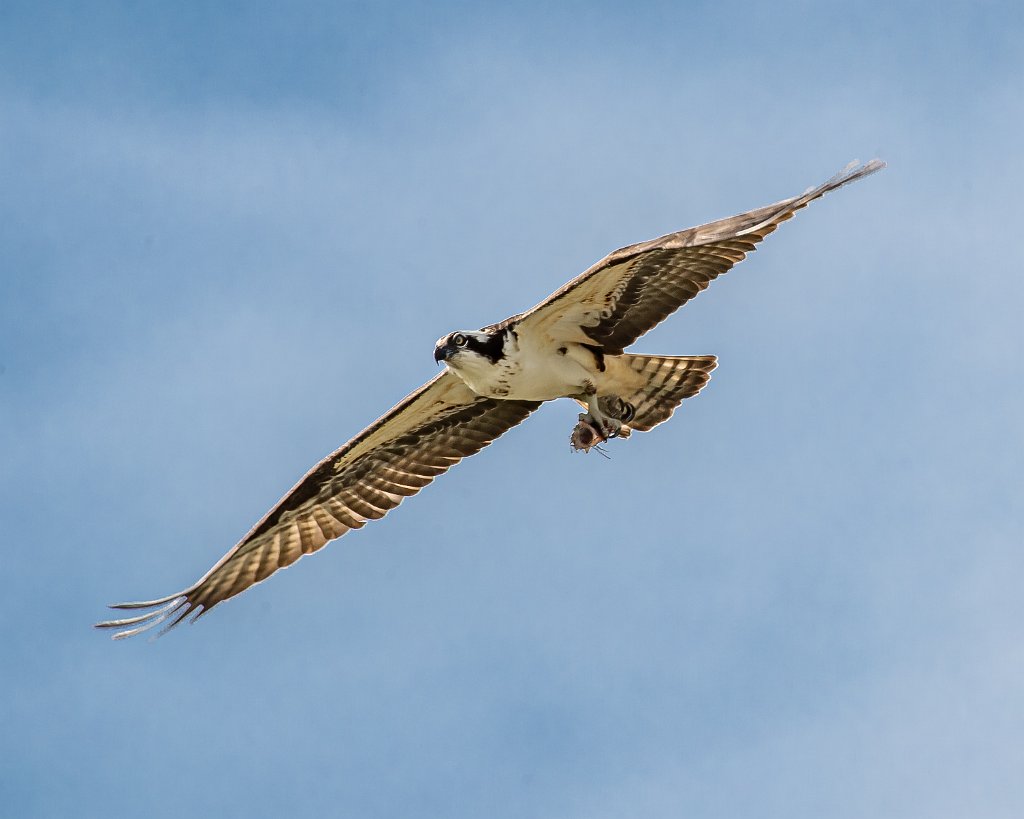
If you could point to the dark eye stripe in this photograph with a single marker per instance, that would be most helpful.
(492, 347)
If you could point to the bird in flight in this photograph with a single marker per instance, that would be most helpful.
(571, 345)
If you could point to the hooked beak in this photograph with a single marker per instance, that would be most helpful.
(441, 352)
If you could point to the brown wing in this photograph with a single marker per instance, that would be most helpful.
(633, 289)
(423, 436)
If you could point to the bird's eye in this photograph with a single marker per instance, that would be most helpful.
(459, 340)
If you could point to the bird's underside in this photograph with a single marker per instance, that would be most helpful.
(570, 345)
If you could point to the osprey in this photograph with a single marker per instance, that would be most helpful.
(571, 345)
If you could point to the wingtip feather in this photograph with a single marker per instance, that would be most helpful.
(161, 610)
(148, 604)
(853, 171)
(771, 216)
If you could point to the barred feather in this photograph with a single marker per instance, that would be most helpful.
(422, 437)
(668, 380)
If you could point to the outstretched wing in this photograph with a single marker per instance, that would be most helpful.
(420, 438)
(635, 288)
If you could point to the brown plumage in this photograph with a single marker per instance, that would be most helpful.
(420, 438)
(667, 380)
(594, 318)
(633, 289)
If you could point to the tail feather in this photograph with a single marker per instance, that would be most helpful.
(667, 381)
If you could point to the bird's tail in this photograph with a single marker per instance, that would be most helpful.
(666, 381)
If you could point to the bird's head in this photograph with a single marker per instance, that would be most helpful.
(470, 348)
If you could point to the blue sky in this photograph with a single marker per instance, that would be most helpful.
(229, 237)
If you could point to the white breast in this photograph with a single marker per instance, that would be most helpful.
(528, 372)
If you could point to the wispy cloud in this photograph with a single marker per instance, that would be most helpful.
(222, 257)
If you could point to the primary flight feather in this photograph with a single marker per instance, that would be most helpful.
(571, 345)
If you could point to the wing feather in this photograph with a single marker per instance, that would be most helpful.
(635, 288)
(396, 456)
